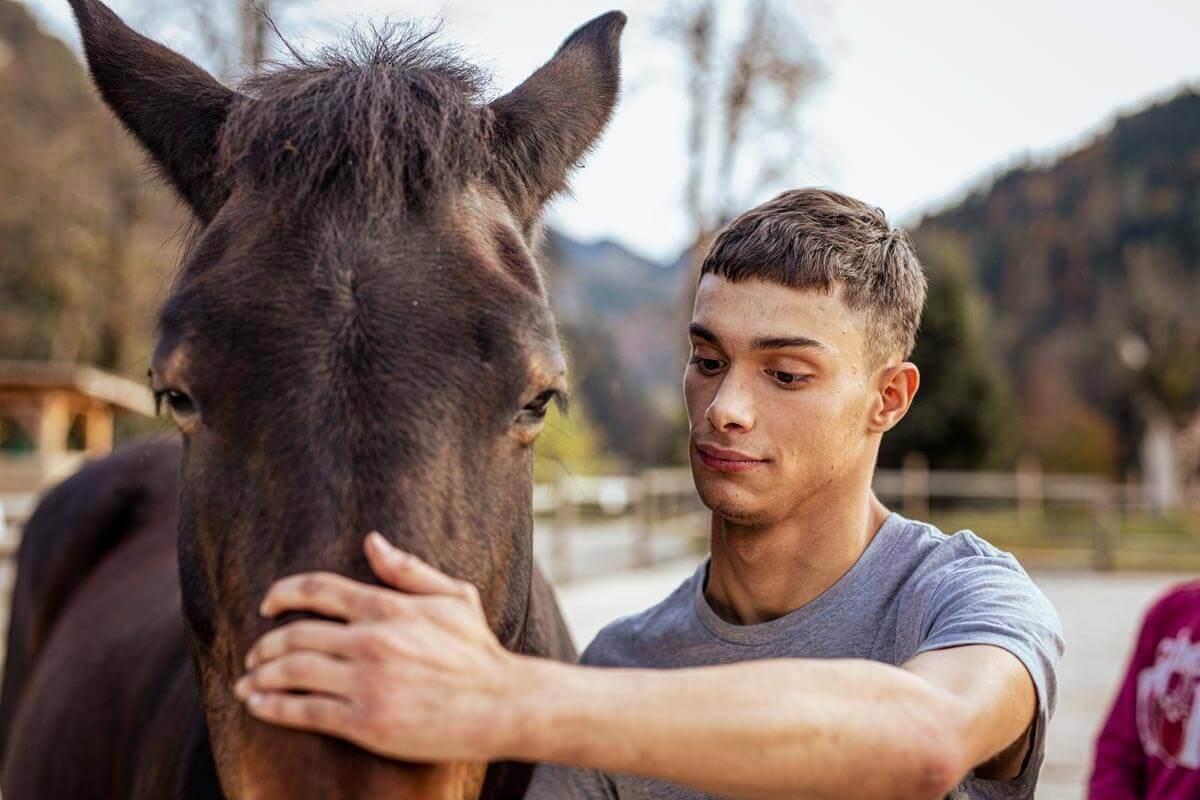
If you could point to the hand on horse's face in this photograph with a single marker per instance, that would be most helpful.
(414, 675)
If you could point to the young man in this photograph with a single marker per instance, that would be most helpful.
(827, 648)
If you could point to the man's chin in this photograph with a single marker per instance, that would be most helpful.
(731, 509)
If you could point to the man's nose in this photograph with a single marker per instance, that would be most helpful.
(732, 408)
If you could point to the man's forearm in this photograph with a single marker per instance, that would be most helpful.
(808, 728)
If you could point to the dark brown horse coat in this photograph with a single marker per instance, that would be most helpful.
(97, 646)
(359, 339)
(96, 642)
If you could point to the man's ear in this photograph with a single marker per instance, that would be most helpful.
(545, 125)
(899, 387)
(174, 108)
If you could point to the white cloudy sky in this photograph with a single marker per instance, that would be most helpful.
(922, 100)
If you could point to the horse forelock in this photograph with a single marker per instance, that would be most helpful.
(389, 119)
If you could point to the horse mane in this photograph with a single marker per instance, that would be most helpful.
(387, 119)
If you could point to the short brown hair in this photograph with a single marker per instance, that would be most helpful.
(818, 239)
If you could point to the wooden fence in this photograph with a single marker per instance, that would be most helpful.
(656, 514)
(1076, 520)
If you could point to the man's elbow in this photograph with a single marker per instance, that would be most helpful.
(925, 768)
(938, 763)
(938, 771)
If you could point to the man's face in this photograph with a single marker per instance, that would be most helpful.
(779, 393)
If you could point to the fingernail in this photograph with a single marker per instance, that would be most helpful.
(250, 659)
(241, 688)
(256, 699)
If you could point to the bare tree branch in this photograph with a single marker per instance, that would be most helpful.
(745, 91)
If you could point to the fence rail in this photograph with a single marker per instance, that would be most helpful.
(585, 521)
(1084, 517)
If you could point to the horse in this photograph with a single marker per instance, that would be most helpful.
(358, 338)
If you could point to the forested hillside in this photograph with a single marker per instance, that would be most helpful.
(87, 238)
(1063, 307)
(1091, 270)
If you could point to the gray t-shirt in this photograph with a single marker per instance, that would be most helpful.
(913, 589)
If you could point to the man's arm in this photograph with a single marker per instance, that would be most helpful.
(420, 676)
(786, 728)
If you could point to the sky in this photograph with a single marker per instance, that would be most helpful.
(921, 101)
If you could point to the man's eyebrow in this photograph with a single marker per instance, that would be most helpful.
(781, 342)
(701, 332)
(762, 342)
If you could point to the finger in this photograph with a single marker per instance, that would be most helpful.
(330, 595)
(304, 712)
(299, 672)
(331, 638)
(409, 573)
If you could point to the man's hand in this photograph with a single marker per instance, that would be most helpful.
(415, 674)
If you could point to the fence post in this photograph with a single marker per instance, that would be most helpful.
(914, 481)
(561, 533)
(1103, 558)
(643, 545)
(1031, 493)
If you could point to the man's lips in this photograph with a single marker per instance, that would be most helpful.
(727, 460)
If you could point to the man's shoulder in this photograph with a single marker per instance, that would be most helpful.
(938, 552)
(964, 582)
(952, 568)
(635, 640)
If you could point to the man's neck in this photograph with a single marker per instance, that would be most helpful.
(761, 573)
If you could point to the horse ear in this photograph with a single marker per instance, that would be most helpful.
(174, 108)
(545, 125)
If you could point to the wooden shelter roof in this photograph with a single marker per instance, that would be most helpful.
(105, 387)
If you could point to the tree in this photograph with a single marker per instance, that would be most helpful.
(85, 233)
(745, 89)
(964, 414)
(233, 36)
(1091, 265)
(1154, 330)
(87, 236)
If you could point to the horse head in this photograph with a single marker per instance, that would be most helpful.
(358, 338)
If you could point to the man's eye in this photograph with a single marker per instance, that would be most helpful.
(707, 366)
(788, 378)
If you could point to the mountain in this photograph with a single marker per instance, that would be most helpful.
(604, 277)
(1091, 267)
(621, 317)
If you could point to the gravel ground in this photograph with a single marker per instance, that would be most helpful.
(1100, 613)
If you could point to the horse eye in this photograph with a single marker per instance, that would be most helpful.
(180, 404)
(538, 406)
(534, 411)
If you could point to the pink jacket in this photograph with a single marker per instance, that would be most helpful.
(1150, 746)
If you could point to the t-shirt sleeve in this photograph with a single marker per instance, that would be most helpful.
(987, 598)
(555, 782)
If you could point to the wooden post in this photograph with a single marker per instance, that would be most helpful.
(98, 430)
(561, 533)
(915, 485)
(1103, 536)
(1030, 492)
(643, 544)
(54, 422)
